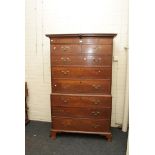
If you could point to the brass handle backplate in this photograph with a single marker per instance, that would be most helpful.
(65, 48)
(95, 113)
(96, 102)
(65, 72)
(97, 60)
(96, 86)
(65, 59)
(96, 126)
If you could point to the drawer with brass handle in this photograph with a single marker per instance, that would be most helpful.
(67, 100)
(97, 49)
(59, 40)
(81, 60)
(81, 86)
(103, 113)
(97, 40)
(80, 124)
(66, 49)
(82, 72)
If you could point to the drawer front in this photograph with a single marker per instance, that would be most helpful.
(87, 60)
(81, 101)
(97, 49)
(76, 124)
(103, 113)
(65, 40)
(82, 72)
(64, 49)
(95, 40)
(81, 86)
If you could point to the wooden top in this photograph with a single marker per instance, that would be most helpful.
(82, 35)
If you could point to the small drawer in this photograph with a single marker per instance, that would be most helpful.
(77, 124)
(62, 40)
(81, 101)
(87, 60)
(97, 40)
(99, 112)
(97, 49)
(81, 86)
(82, 72)
(64, 49)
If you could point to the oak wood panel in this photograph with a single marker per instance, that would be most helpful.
(81, 86)
(63, 49)
(82, 112)
(81, 101)
(82, 72)
(77, 124)
(85, 60)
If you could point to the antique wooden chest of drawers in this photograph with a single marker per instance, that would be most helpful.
(81, 74)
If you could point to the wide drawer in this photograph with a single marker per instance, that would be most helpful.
(76, 124)
(64, 49)
(85, 60)
(97, 49)
(104, 113)
(81, 101)
(82, 72)
(81, 86)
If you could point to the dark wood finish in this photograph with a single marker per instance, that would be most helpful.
(81, 124)
(63, 49)
(97, 40)
(53, 135)
(26, 107)
(81, 86)
(81, 71)
(84, 60)
(82, 112)
(73, 36)
(81, 101)
(97, 49)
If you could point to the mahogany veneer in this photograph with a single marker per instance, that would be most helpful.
(81, 73)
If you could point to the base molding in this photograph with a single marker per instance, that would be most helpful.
(108, 135)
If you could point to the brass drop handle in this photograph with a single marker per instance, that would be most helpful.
(65, 48)
(95, 113)
(55, 85)
(97, 60)
(96, 102)
(65, 72)
(95, 48)
(65, 59)
(96, 86)
(65, 101)
(96, 126)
